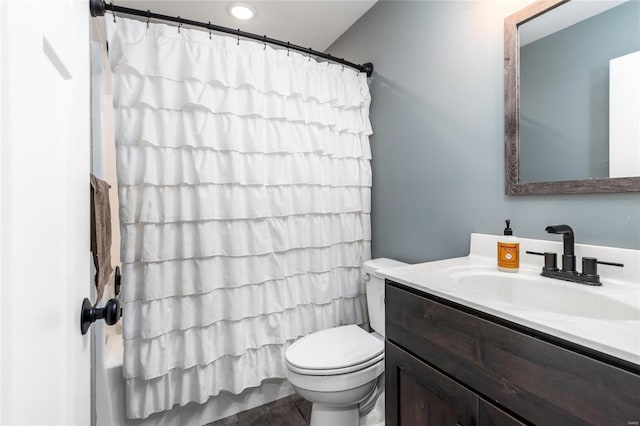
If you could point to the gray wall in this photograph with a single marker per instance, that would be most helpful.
(564, 86)
(438, 147)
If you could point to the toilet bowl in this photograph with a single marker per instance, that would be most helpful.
(338, 368)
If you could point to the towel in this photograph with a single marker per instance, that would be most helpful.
(101, 233)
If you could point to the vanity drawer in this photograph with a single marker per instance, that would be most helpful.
(539, 381)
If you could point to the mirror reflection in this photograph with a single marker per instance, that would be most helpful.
(579, 114)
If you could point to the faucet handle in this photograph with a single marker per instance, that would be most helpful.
(550, 260)
(590, 266)
(589, 273)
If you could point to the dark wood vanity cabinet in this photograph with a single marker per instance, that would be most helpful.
(423, 396)
(446, 365)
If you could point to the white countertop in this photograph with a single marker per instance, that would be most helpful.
(618, 337)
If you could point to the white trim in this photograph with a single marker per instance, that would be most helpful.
(4, 87)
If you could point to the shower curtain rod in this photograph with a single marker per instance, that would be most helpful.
(99, 7)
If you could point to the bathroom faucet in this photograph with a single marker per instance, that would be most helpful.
(569, 255)
(589, 274)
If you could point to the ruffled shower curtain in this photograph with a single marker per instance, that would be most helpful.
(244, 182)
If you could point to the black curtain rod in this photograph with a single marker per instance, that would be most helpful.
(99, 7)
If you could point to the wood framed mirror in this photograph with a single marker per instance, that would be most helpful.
(572, 116)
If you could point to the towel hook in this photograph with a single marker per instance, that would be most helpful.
(288, 44)
(179, 24)
(113, 12)
(238, 43)
(209, 30)
(148, 17)
(117, 281)
(265, 42)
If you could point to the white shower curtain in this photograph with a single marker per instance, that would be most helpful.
(244, 182)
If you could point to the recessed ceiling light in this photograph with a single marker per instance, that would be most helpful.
(242, 11)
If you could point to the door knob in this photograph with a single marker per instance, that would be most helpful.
(89, 314)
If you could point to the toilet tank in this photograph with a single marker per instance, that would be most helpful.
(374, 288)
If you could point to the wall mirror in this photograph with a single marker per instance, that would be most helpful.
(572, 97)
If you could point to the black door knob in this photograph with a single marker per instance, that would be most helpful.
(111, 313)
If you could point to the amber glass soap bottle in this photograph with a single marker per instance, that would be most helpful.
(508, 251)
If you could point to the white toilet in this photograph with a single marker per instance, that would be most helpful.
(338, 368)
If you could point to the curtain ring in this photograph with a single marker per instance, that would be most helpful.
(209, 30)
(179, 24)
(288, 44)
(238, 43)
(265, 42)
(113, 12)
(148, 17)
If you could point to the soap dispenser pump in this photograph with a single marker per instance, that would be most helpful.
(508, 250)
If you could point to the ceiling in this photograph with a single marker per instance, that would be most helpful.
(315, 23)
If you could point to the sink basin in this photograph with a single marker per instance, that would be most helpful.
(528, 290)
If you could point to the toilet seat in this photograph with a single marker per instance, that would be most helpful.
(335, 371)
(336, 382)
(334, 351)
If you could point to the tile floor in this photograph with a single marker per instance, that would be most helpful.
(290, 411)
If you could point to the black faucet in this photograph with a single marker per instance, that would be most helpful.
(569, 255)
(589, 274)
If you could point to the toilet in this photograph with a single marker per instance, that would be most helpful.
(338, 369)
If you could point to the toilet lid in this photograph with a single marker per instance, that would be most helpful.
(334, 348)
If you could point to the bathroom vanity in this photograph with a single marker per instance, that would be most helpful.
(463, 355)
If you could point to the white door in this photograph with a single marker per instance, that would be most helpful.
(44, 212)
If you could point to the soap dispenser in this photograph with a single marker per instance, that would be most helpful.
(508, 250)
